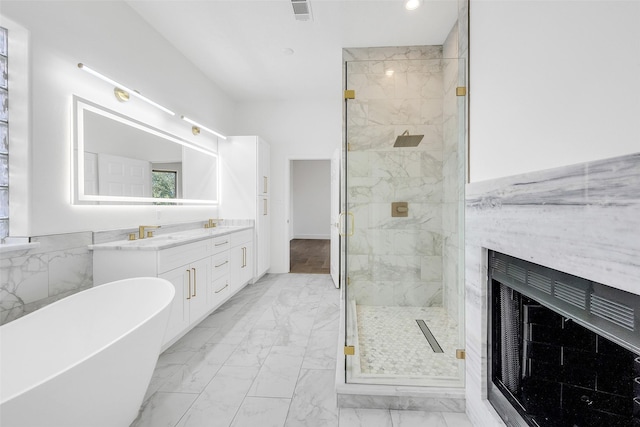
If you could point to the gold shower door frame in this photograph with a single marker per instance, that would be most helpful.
(374, 241)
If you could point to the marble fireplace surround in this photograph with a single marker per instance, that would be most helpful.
(581, 219)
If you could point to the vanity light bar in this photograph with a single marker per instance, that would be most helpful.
(218, 134)
(123, 87)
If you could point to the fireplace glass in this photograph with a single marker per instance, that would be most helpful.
(548, 369)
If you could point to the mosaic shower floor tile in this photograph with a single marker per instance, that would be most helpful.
(391, 342)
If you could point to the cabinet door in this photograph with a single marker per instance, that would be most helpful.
(263, 167)
(236, 263)
(179, 315)
(241, 265)
(263, 228)
(200, 277)
(246, 272)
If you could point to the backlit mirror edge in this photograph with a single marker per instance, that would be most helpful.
(78, 197)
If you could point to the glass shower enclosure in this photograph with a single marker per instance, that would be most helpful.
(402, 229)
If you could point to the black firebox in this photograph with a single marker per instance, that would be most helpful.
(552, 356)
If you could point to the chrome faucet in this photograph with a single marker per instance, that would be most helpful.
(142, 228)
(212, 223)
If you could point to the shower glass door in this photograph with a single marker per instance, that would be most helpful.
(403, 187)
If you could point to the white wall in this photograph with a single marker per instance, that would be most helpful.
(311, 194)
(302, 130)
(113, 39)
(552, 83)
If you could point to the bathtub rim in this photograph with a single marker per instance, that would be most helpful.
(147, 319)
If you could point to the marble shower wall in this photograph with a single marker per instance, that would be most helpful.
(395, 261)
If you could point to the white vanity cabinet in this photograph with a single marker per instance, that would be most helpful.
(220, 269)
(205, 270)
(245, 172)
(241, 260)
(190, 304)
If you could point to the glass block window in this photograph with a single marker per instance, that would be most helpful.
(4, 135)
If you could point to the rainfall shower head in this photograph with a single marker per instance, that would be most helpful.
(406, 140)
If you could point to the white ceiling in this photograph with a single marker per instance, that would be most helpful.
(239, 44)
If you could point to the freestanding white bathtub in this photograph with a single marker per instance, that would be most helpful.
(85, 360)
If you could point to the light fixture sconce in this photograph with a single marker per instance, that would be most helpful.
(121, 95)
(197, 127)
(121, 91)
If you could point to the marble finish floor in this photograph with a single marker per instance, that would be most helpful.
(392, 344)
(265, 358)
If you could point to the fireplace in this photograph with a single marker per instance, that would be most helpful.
(563, 351)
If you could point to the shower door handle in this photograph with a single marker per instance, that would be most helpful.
(344, 233)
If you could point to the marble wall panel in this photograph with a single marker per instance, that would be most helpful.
(61, 265)
(393, 53)
(404, 255)
(580, 219)
(418, 190)
(422, 294)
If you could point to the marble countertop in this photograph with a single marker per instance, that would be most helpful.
(165, 241)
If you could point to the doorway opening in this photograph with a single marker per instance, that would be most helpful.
(310, 216)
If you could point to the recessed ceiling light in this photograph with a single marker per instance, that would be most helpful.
(288, 51)
(412, 4)
(389, 73)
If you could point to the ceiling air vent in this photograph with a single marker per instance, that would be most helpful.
(301, 10)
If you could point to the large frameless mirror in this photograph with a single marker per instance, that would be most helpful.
(118, 160)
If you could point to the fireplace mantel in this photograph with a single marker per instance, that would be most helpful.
(581, 219)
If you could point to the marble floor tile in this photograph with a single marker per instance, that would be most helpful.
(314, 402)
(456, 419)
(160, 375)
(253, 349)
(164, 409)
(194, 376)
(417, 419)
(218, 403)
(193, 341)
(262, 411)
(279, 373)
(321, 350)
(352, 417)
(262, 363)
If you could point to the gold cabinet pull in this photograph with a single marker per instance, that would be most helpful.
(244, 257)
(265, 207)
(195, 283)
(220, 265)
(222, 243)
(221, 289)
(189, 293)
(265, 184)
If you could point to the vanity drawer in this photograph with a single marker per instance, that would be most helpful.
(220, 291)
(220, 265)
(171, 258)
(240, 237)
(221, 243)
